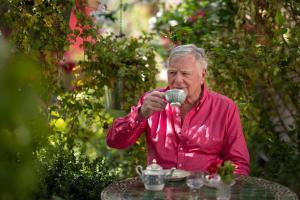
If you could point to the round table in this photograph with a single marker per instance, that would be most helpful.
(245, 188)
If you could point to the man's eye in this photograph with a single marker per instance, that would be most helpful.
(185, 73)
(172, 73)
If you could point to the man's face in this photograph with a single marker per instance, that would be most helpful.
(184, 73)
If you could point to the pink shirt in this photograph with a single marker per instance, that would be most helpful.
(210, 130)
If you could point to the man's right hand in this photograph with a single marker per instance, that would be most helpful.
(153, 101)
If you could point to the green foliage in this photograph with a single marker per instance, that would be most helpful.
(200, 22)
(77, 164)
(37, 22)
(254, 59)
(23, 129)
(71, 177)
(78, 119)
(39, 29)
(226, 171)
(125, 65)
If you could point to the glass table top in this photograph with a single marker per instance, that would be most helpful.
(245, 188)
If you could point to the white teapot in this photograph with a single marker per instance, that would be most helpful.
(154, 177)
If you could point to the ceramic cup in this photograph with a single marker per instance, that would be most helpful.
(175, 96)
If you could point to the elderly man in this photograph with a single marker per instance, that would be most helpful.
(204, 128)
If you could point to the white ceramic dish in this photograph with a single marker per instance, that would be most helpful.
(213, 182)
(178, 174)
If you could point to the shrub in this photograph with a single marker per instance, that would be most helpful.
(71, 177)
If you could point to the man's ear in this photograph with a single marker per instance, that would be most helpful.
(203, 75)
(203, 72)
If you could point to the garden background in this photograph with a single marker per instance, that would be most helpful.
(68, 68)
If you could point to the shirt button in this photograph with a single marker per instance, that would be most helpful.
(180, 165)
(180, 148)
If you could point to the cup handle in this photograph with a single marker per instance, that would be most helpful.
(170, 173)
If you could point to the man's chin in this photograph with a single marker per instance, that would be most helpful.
(187, 101)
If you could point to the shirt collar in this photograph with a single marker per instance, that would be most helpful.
(204, 93)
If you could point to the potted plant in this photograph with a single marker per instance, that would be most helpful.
(222, 177)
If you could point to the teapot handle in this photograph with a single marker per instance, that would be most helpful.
(170, 173)
(139, 170)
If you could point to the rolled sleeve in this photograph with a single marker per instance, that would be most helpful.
(125, 131)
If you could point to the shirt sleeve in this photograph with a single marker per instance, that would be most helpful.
(125, 131)
(235, 147)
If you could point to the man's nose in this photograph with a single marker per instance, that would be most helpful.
(178, 79)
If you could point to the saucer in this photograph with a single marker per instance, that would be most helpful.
(177, 175)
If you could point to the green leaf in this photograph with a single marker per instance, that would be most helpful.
(280, 20)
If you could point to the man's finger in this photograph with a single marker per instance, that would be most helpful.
(156, 108)
(158, 94)
(159, 105)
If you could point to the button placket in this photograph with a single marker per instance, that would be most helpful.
(177, 120)
(180, 155)
(186, 121)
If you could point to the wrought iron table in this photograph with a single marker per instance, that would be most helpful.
(245, 188)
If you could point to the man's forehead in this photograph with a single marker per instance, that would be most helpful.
(176, 58)
(180, 69)
(184, 61)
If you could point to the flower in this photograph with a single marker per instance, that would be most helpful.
(173, 23)
(214, 166)
(223, 169)
(196, 16)
(67, 65)
(152, 23)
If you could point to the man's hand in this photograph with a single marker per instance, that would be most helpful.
(153, 101)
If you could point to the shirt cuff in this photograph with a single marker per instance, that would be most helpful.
(135, 119)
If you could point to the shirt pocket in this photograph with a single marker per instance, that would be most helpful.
(202, 141)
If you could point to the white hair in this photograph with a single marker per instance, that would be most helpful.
(192, 49)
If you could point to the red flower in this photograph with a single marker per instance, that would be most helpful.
(197, 15)
(67, 65)
(192, 18)
(200, 13)
(214, 166)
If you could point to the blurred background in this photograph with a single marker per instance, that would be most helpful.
(68, 68)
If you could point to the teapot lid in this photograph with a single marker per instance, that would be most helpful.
(154, 166)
